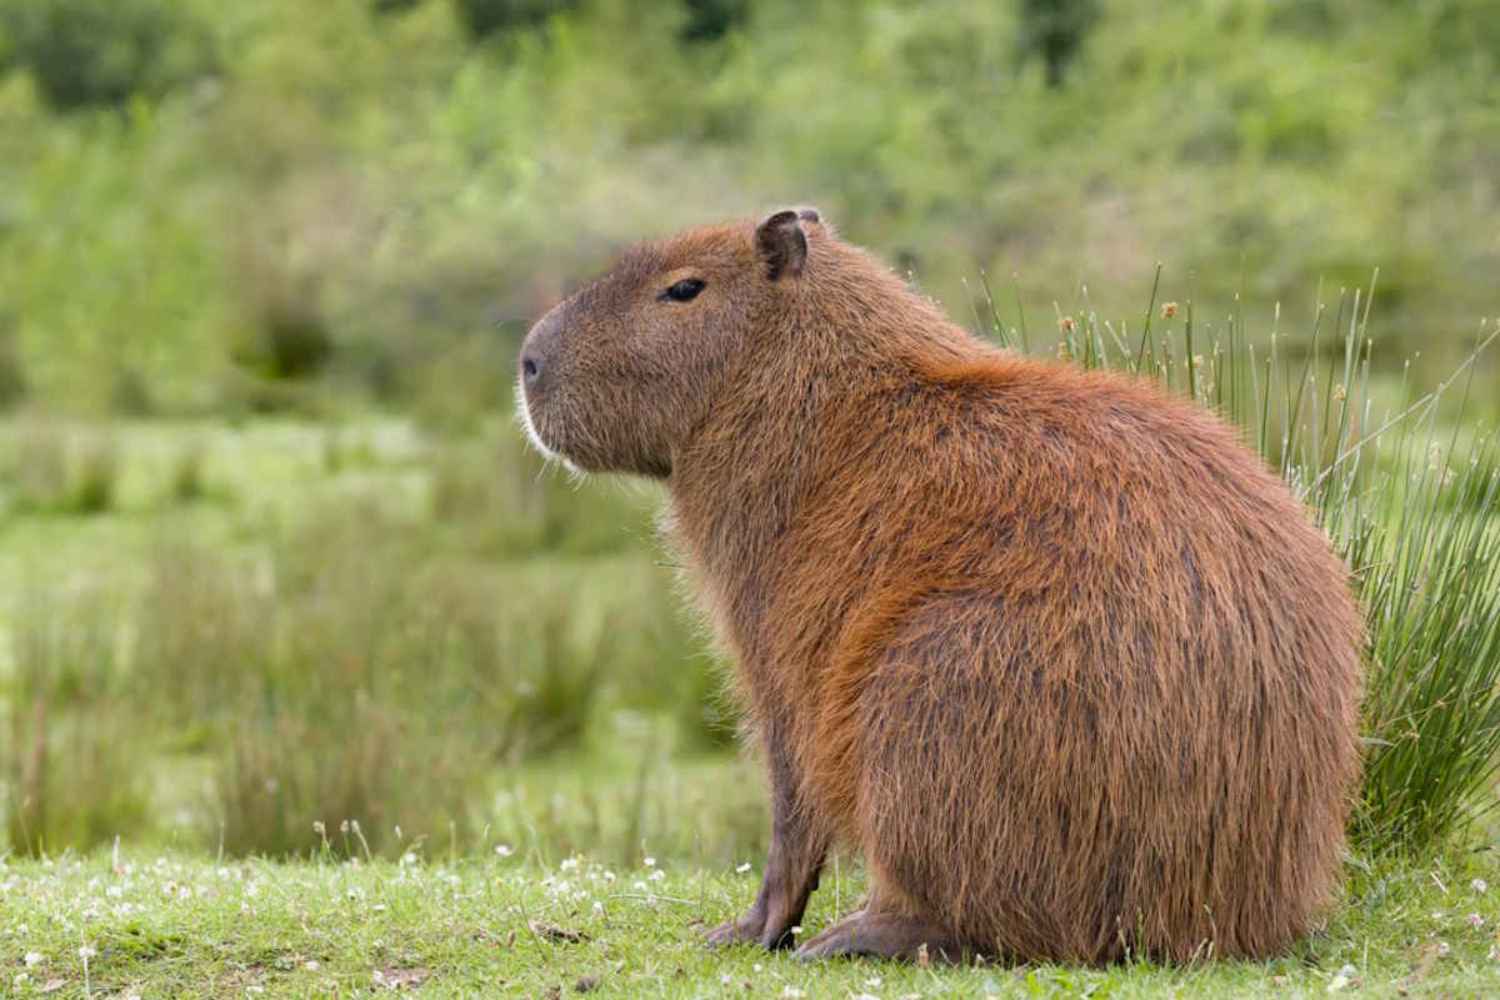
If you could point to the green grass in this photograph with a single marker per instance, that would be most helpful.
(175, 925)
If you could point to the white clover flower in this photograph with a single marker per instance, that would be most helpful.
(34, 958)
(504, 850)
(650, 862)
(742, 868)
(1479, 885)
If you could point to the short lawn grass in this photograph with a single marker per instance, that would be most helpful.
(122, 924)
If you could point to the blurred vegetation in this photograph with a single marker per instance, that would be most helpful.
(83, 53)
(299, 624)
(207, 201)
(272, 553)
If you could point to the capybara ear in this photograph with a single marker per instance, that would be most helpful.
(782, 244)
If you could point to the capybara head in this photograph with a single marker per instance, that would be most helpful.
(617, 376)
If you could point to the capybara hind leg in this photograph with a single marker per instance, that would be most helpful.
(885, 935)
(796, 858)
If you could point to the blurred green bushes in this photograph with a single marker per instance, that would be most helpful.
(83, 53)
(356, 193)
(485, 17)
(1055, 30)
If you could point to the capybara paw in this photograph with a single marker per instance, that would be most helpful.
(741, 931)
(777, 934)
(753, 928)
(883, 936)
(731, 932)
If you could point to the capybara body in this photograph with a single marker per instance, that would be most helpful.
(1055, 651)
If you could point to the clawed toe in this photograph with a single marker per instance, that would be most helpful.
(883, 936)
(732, 932)
(826, 944)
(769, 934)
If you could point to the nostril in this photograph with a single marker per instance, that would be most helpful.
(530, 369)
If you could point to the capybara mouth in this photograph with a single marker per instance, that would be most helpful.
(534, 427)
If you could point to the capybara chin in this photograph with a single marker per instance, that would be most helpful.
(1051, 648)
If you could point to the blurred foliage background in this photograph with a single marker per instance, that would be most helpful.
(199, 202)
(270, 549)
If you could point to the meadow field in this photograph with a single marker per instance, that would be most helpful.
(314, 680)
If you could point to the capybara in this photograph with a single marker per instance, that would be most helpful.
(1052, 649)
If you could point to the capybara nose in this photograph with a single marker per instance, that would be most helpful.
(539, 349)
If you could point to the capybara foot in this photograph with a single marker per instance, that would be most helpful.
(738, 931)
(755, 927)
(884, 935)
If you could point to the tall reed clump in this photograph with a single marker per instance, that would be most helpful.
(304, 677)
(47, 468)
(1410, 496)
(76, 761)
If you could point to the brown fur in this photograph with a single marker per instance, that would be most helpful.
(1052, 649)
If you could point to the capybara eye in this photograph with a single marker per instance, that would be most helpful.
(687, 288)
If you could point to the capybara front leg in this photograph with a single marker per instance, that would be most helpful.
(796, 858)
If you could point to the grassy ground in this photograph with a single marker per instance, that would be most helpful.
(126, 923)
